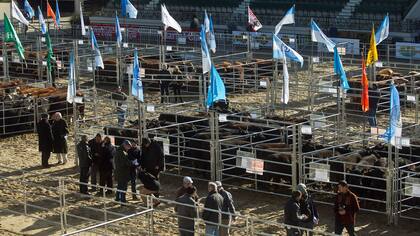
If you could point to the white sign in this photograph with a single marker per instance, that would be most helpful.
(292, 40)
(321, 175)
(78, 100)
(242, 158)
(42, 39)
(319, 172)
(318, 120)
(405, 142)
(341, 51)
(244, 36)
(379, 64)
(59, 65)
(407, 50)
(255, 166)
(263, 83)
(15, 57)
(89, 68)
(130, 69)
(125, 45)
(416, 190)
(411, 98)
(181, 40)
(315, 59)
(376, 131)
(306, 129)
(150, 108)
(142, 72)
(44, 63)
(168, 48)
(352, 46)
(253, 115)
(80, 42)
(223, 118)
(1, 58)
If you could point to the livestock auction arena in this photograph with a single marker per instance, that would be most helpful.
(258, 146)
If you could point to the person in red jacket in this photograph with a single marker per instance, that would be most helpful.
(345, 208)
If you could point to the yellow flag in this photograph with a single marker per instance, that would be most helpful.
(372, 56)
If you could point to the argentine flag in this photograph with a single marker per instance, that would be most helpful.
(206, 21)
(98, 57)
(128, 9)
(216, 91)
(42, 21)
(212, 37)
(28, 9)
(289, 18)
(318, 36)
(71, 86)
(118, 30)
(280, 48)
(394, 131)
(136, 85)
(339, 70)
(383, 31)
(205, 55)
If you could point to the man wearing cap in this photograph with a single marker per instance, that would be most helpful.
(186, 211)
(212, 210)
(227, 210)
(308, 208)
(45, 139)
(345, 208)
(292, 215)
(187, 182)
(122, 170)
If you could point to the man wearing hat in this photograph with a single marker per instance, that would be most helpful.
(345, 208)
(308, 208)
(122, 170)
(187, 182)
(292, 215)
(227, 210)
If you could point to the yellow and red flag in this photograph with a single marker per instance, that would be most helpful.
(365, 88)
(50, 13)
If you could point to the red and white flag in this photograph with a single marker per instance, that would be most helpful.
(253, 21)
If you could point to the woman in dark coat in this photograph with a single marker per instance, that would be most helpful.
(60, 131)
(45, 139)
(106, 165)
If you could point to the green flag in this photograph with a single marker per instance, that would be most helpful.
(50, 55)
(11, 36)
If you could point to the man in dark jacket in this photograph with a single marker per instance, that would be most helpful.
(212, 210)
(106, 165)
(187, 183)
(345, 208)
(186, 212)
(95, 145)
(60, 131)
(45, 139)
(292, 214)
(122, 170)
(134, 155)
(152, 158)
(308, 208)
(120, 97)
(85, 161)
(228, 209)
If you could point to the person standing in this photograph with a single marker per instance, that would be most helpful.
(212, 210)
(228, 209)
(122, 170)
(152, 158)
(187, 183)
(345, 208)
(85, 162)
(308, 208)
(95, 145)
(120, 97)
(134, 155)
(106, 165)
(292, 216)
(60, 131)
(186, 211)
(45, 140)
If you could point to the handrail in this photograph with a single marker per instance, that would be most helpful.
(107, 223)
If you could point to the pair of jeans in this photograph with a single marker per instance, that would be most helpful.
(339, 228)
(212, 230)
(121, 191)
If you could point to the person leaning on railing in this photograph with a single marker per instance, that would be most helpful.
(186, 211)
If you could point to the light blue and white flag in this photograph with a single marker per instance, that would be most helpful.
(339, 70)
(17, 14)
(136, 85)
(28, 9)
(216, 90)
(127, 8)
(168, 20)
(394, 131)
(42, 21)
(383, 31)
(82, 21)
(212, 37)
(288, 18)
(98, 57)
(285, 89)
(318, 36)
(118, 30)
(71, 86)
(280, 48)
(206, 21)
(57, 14)
(205, 54)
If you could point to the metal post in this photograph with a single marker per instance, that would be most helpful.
(5, 62)
(25, 192)
(117, 64)
(389, 187)
(300, 156)
(63, 220)
(294, 158)
(76, 79)
(212, 125)
(38, 57)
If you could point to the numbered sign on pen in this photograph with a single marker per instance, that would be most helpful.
(150, 108)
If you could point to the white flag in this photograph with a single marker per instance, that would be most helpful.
(168, 20)
(206, 21)
(285, 90)
(253, 20)
(17, 14)
(71, 86)
(82, 21)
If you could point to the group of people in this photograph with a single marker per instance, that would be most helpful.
(218, 214)
(125, 163)
(301, 211)
(52, 136)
